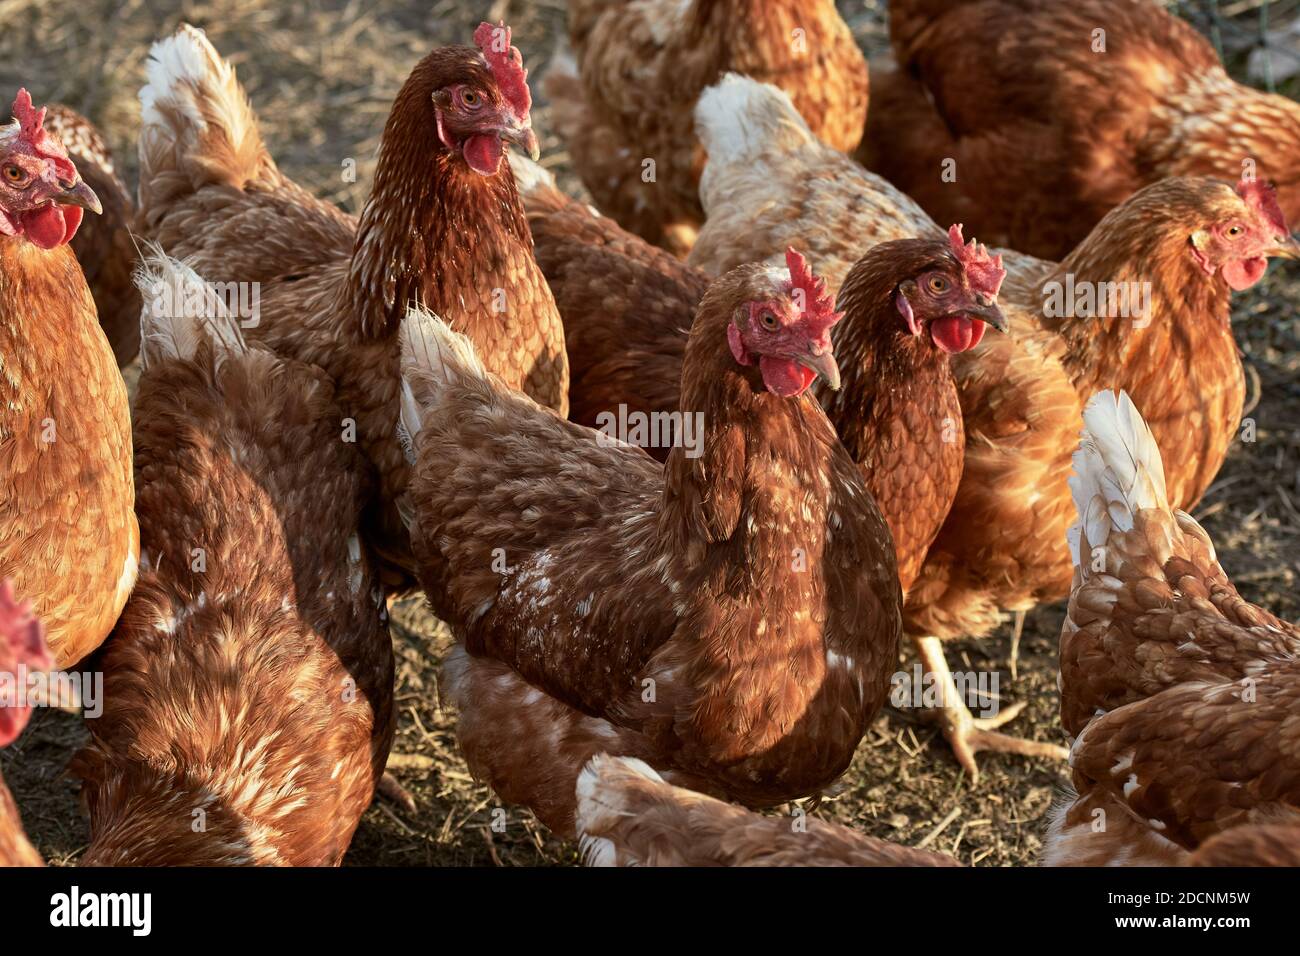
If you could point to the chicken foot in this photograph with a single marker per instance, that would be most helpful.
(965, 733)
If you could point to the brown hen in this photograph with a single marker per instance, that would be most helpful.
(730, 617)
(68, 534)
(1181, 694)
(248, 687)
(443, 227)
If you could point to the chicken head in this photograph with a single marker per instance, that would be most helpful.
(786, 329)
(41, 195)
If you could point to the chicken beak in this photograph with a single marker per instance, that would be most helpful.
(524, 138)
(1288, 248)
(821, 359)
(80, 195)
(989, 312)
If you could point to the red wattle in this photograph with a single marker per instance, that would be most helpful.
(72, 221)
(977, 332)
(483, 153)
(1243, 273)
(46, 226)
(953, 333)
(785, 377)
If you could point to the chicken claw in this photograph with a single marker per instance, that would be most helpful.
(967, 734)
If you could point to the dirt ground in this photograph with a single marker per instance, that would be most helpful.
(321, 76)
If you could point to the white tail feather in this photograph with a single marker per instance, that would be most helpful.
(178, 67)
(191, 102)
(180, 311)
(600, 803)
(433, 357)
(1117, 470)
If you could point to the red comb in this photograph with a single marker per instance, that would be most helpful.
(819, 306)
(507, 66)
(985, 272)
(1262, 197)
(32, 133)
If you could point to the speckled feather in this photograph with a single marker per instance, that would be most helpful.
(1181, 694)
(627, 306)
(685, 575)
(253, 694)
(103, 244)
(630, 816)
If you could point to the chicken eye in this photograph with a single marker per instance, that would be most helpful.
(471, 99)
(14, 174)
(938, 285)
(768, 320)
(1235, 231)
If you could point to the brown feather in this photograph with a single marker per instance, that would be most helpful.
(730, 618)
(248, 687)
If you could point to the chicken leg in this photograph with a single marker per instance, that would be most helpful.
(966, 734)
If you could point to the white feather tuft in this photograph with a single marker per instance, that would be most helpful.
(180, 311)
(196, 119)
(739, 118)
(601, 803)
(179, 67)
(1117, 470)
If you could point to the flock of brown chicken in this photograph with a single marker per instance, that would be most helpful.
(873, 432)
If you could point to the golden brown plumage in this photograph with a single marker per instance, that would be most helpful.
(640, 68)
(1184, 243)
(332, 289)
(248, 687)
(630, 816)
(1181, 695)
(68, 534)
(1048, 131)
(729, 617)
(104, 245)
